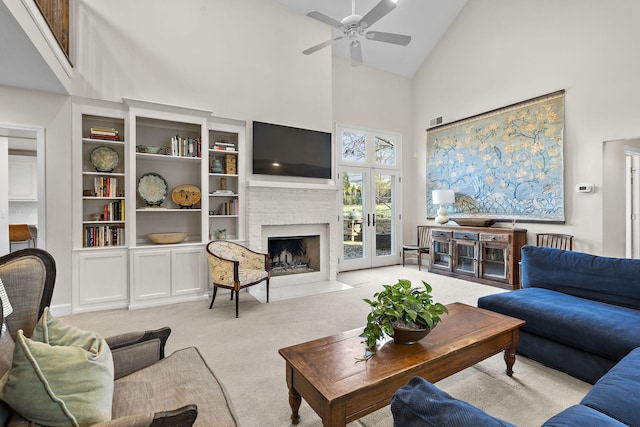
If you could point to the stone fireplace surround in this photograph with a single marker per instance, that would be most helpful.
(282, 209)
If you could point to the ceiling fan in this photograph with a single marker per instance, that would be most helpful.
(354, 27)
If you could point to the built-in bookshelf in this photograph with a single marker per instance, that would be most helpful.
(103, 181)
(225, 183)
(115, 263)
(174, 160)
(99, 212)
(166, 143)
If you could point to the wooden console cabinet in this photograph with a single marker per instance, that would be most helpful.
(483, 254)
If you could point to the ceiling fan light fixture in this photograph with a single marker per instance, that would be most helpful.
(354, 26)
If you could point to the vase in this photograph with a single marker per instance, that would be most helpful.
(409, 336)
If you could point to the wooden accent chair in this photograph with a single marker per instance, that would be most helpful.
(421, 247)
(19, 233)
(235, 267)
(554, 240)
(150, 389)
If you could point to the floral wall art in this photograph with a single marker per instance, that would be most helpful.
(505, 164)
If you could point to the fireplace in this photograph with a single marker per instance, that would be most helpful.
(294, 254)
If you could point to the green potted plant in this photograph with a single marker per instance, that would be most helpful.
(399, 308)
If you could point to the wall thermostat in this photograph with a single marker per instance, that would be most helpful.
(585, 188)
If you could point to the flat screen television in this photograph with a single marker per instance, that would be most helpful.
(288, 151)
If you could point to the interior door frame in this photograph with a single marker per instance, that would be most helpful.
(39, 136)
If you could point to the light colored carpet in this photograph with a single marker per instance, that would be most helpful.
(244, 352)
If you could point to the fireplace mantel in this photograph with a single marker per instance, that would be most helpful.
(329, 185)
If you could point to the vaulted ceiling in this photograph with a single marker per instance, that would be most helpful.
(424, 20)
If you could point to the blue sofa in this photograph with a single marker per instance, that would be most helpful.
(582, 311)
(613, 401)
(583, 318)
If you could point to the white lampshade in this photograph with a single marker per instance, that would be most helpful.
(442, 197)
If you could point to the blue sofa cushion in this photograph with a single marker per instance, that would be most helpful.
(610, 280)
(603, 329)
(581, 416)
(421, 404)
(618, 392)
(607, 330)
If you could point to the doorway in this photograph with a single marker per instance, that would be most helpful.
(369, 171)
(23, 153)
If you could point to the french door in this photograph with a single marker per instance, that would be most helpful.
(368, 218)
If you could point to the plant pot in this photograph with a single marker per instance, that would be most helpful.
(408, 336)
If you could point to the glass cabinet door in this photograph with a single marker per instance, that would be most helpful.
(494, 265)
(441, 257)
(466, 257)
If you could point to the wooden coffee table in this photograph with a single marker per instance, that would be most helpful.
(324, 371)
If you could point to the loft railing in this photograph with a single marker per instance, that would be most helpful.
(56, 13)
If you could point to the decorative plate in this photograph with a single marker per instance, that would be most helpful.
(152, 188)
(104, 159)
(185, 195)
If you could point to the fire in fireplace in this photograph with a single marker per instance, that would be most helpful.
(294, 255)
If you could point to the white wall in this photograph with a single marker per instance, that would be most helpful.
(499, 52)
(52, 112)
(241, 59)
(372, 99)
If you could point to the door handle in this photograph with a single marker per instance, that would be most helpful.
(368, 220)
(374, 219)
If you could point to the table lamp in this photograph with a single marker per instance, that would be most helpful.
(442, 197)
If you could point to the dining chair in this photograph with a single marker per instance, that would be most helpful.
(421, 247)
(555, 240)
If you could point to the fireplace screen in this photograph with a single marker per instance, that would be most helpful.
(293, 255)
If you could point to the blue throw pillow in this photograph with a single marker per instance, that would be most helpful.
(422, 404)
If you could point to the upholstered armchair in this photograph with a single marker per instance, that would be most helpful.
(148, 388)
(235, 267)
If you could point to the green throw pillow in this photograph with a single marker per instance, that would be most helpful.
(63, 376)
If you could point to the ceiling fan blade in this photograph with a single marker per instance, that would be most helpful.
(378, 11)
(320, 46)
(356, 53)
(326, 19)
(388, 37)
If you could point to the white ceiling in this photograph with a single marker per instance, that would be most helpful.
(424, 20)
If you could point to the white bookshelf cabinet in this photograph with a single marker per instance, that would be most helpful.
(99, 259)
(226, 179)
(133, 271)
(168, 273)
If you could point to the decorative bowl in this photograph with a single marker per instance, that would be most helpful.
(474, 222)
(167, 238)
(149, 149)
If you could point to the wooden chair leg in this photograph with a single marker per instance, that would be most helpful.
(403, 257)
(215, 290)
(237, 299)
(419, 260)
